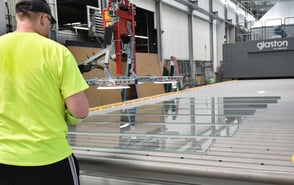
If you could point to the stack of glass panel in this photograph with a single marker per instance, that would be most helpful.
(177, 125)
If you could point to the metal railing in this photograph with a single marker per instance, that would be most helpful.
(267, 29)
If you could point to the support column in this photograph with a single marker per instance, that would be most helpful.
(102, 4)
(211, 32)
(2, 18)
(158, 7)
(226, 24)
(191, 48)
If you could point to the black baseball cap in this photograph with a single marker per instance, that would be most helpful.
(34, 6)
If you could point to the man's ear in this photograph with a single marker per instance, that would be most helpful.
(42, 19)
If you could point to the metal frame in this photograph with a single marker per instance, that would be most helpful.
(122, 15)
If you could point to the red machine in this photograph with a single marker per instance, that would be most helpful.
(119, 32)
(122, 14)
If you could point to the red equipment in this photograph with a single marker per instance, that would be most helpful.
(122, 14)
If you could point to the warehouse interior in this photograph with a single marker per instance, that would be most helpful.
(194, 91)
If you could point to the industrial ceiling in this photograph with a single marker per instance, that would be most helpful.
(74, 10)
(259, 7)
(70, 11)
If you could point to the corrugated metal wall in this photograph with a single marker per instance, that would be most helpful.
(147, 5)
(201, 40)
(175, 33)
(53, 7)
(2, 18)
(174, 18)
(9, 13)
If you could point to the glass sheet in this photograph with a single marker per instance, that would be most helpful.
(178, 125)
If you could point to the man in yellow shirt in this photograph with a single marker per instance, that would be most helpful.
(41, 91)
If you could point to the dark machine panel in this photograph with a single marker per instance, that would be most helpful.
(259, 59)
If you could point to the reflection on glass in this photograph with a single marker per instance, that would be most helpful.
(180, 125)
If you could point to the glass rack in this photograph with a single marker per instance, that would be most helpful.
(178, 125)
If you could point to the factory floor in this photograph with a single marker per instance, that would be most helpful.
(235, 132)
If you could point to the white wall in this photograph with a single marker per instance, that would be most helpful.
(147, 5)
(11, 7)
(201, 40)
(174, 4)
(2, 18)
(204, 4)
(53, 7)
(232, 15)
(175, 33)
(174, 17)
(218, 7)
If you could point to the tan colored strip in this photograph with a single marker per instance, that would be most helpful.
(102, 107)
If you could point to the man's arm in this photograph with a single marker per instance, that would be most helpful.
(78, 105)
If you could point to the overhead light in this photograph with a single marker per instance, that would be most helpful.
(141, 37)
(166, 82)
(81, 28)
(261, 92)
(124, 125)
(113, 87)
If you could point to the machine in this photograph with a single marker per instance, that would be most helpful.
(119, 33)
(265, 52)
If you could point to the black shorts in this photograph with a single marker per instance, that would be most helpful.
(65, 172)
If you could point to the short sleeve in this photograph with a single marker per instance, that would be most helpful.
(71, 79)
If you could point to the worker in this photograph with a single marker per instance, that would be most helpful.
(42, 91)
(277, 32)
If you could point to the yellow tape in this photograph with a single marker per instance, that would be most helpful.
(293, 158)
(152, 97)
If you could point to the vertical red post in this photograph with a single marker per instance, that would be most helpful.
(120, 29)
(117, 43)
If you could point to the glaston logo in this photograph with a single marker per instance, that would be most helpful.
(272, 44)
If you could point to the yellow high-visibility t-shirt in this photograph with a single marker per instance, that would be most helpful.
(36, 75)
